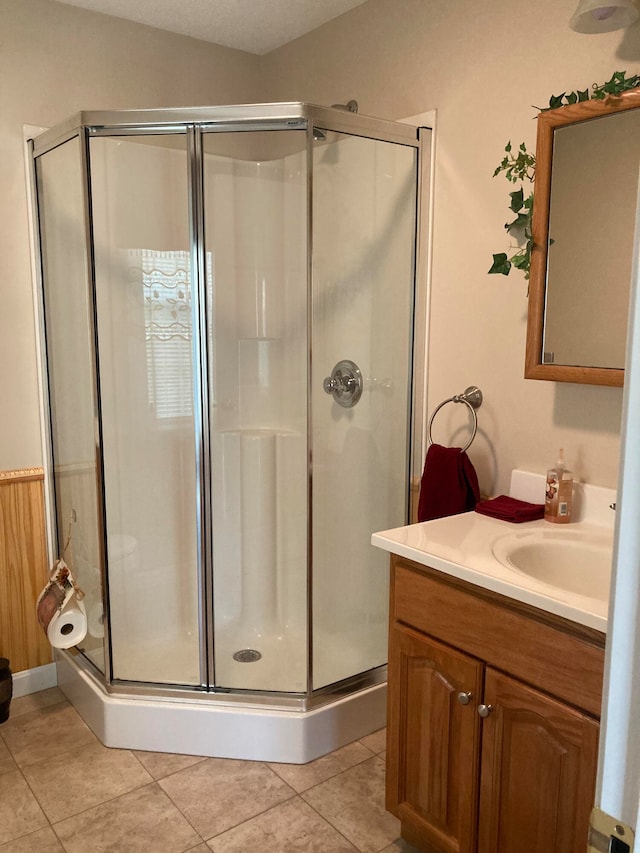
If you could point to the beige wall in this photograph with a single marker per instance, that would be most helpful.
(54, 61)
(481, 67)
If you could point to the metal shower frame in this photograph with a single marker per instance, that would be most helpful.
(193, 122)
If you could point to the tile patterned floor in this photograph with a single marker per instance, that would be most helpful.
(61, 790)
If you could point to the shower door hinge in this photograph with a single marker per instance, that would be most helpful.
(608, 835)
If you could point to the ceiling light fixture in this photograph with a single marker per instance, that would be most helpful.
(603, 16)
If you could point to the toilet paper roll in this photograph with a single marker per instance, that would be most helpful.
(68, 627)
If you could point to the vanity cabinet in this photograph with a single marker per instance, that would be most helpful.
(493, 719)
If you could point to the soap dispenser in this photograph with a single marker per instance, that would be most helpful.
(559, 493)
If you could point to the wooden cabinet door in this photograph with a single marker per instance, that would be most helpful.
(434, 742)
(539, 760)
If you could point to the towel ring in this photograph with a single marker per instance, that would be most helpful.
(472, 398)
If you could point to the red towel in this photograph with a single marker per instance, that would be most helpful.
(511, 509)
(449, 483)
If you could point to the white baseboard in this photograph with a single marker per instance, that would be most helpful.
(33, 680)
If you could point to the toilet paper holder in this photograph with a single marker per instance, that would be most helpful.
(60, 610)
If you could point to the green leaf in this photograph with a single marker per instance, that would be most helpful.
(517, 167)
(517, 200)
(616, 85)
(520, 222)
(501, 264)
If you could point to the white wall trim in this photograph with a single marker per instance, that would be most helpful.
(33, 680)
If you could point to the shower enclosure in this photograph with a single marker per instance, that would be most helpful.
(228, 303)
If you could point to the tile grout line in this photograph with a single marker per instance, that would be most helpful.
(294, 795)
(168, 796)
(332, 825)
(37, 801)
(253, 817)
(117, 797)
(333, 775)
(340, 772)
(327, 819)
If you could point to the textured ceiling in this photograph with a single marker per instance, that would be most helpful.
(256, 26)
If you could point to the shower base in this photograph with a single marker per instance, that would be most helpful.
(216, 727)
(173, 662)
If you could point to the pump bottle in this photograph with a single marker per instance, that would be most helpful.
(559, 493)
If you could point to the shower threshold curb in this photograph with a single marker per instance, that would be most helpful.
(220, 731)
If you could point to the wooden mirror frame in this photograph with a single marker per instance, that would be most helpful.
(548, 121)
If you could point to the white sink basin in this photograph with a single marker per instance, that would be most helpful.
(578, 563)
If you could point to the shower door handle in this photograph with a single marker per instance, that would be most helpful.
(345, 383)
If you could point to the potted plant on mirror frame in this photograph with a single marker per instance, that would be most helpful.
(519, 166)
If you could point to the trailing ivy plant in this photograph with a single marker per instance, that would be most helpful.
(519, 166)
(617, 85)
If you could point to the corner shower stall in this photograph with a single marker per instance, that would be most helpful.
(227, 310)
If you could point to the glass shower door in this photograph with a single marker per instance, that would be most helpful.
(145, 350)
(255, 211)
(364, 203)
(228, 305)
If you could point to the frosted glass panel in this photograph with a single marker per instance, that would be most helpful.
(256, 227)
(143, 293)
(70, 374)
(363, 270)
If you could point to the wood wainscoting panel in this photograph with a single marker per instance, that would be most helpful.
(24, 568)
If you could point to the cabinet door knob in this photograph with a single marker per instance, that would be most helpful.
(465, 698)
(485, 710)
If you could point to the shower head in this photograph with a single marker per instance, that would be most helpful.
(350, 106)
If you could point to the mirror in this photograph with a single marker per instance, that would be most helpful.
(584, 212)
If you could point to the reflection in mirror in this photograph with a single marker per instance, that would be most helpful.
(583, 230)
(591, 244)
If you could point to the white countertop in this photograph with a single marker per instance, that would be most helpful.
(461, 546)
